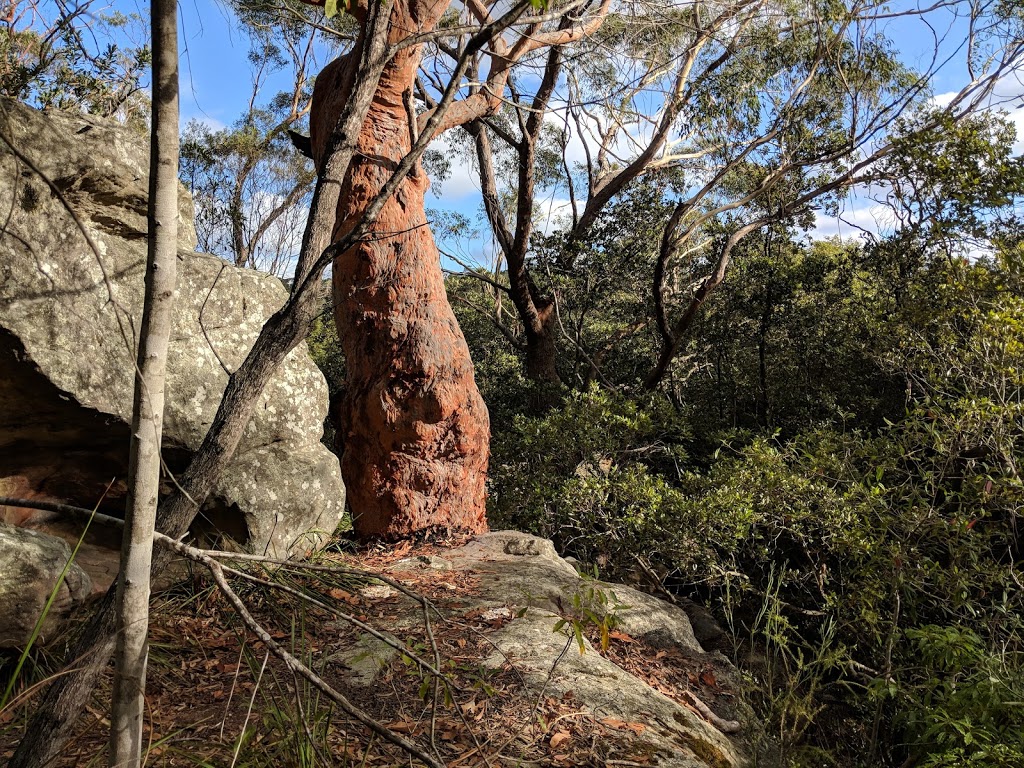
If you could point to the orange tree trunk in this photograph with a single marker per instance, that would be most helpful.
(415, 429)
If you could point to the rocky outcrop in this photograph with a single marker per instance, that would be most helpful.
(69, 325)
(523, 593)
(31, 564)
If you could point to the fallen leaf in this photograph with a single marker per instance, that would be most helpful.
(558, 738)
(707, 677)
(622, 637)
(401, 549)
(622, 725)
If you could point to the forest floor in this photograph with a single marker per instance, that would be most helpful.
(216, 698)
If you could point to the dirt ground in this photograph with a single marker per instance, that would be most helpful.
(216, 698)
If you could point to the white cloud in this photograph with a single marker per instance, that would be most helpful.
(944, 99)
(463, 180)
(203, 119)
(853, 222)
(553, 214)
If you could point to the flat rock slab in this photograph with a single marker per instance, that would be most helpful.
(529, 589)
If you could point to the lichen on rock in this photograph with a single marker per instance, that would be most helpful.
(69, 324)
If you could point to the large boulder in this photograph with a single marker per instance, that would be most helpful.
(69, 325)
(31, 565)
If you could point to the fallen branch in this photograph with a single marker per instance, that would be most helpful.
(217, 571)
(725, 726)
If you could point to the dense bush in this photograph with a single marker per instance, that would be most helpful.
(873, 570)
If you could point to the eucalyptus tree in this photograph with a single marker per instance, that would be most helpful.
(752, 112)
(133, 583)
(412, 395)
(414, 426)
(251, 189)
(74, 56)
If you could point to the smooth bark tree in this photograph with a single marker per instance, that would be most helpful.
(133, 584)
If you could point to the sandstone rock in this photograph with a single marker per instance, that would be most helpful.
(515, 571)
(69, 325)
(526, 570)
(672, 735)
(30, 566)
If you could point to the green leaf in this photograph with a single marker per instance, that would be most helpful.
(331, 8)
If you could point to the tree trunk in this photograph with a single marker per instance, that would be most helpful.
(133, 585)
(541, 351)
(762, 405)
(414, 426)
(65, 698)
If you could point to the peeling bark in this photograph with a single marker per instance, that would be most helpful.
(415, 429)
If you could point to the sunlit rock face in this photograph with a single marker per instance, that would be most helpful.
(69, 326)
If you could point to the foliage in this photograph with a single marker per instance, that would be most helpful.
(250, 186)
(954, 176)
(590, 475)
(793, 340)
(325, 349)
(63, 56)
(969, 709)
(592, 606)
(842, 547)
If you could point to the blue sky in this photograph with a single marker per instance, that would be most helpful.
(215, 73)
(216, 85)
